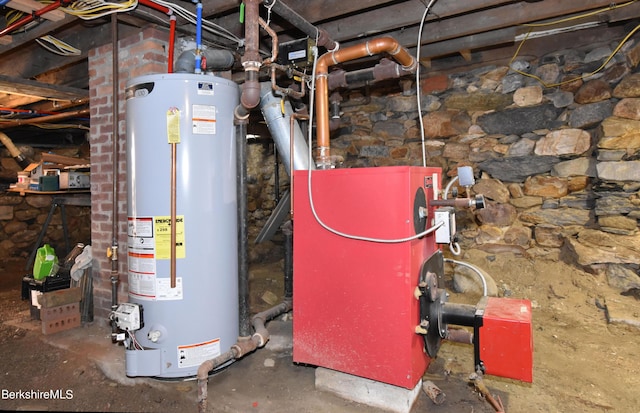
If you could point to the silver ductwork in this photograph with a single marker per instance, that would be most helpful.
(279, 125)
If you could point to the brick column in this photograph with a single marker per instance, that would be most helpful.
(140, 54)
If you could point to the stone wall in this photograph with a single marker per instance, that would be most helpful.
(22, 217)
(556, 154)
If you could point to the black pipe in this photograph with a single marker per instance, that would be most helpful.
(301, 23)
(458, 314)
(113, 251)
(243, 233)
(276, 174)
(287, 230)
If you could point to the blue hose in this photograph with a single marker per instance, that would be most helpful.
(198, 37)
(3, 2)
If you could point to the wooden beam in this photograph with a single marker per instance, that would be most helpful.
(27, 87)
(508, 35)
(466, 54)
(514, 14)
(389, 18)
(44, 28)
(29, 6)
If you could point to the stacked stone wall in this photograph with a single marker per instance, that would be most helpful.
(555, 152)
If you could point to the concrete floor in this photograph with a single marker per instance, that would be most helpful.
(85, 361)
(264, 381)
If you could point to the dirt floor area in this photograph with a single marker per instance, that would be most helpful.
(582, 363)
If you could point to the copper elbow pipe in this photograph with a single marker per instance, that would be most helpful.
(370, 48)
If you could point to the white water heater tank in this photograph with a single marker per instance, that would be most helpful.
(198, 318)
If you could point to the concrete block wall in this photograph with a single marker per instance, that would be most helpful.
(141, 54)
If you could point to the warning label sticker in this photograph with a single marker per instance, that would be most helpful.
(164, 290)
(191, 355)
(204, 119)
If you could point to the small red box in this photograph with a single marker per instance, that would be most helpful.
(506, 339)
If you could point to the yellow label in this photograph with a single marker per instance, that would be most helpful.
(162, 232)
(173, 125)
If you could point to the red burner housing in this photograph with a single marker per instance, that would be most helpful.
(506, 339)
(355, 309)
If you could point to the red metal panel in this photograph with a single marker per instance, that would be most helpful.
(355, 309)
(506, 339)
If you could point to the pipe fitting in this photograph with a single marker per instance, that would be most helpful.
(243, 347)
(383, 44)
(250, 97)
(241, 114)
(325, 40)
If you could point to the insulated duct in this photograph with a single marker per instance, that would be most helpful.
(213, 59)
(17, 155)
(279, 126)
(284, 11)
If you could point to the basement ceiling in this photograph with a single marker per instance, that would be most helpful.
(456, 34)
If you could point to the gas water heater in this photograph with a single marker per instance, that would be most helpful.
(171, 326)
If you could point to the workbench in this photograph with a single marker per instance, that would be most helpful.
(59, 199)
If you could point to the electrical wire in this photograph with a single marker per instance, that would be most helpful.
(312, 90)
(583, 76)
(612, 6)
(57, 46)
(95, 9)
(475, 269)
(418, 94)
(206, 25)
(134, 341)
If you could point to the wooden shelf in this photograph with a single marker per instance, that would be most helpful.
(24, 192)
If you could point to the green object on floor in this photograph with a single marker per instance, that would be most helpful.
(46, 262)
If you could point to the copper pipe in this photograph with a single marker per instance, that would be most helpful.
(44, 119)
(375, 46)
(174, 159)
(286, 91)
(495, 402)
(274, 42)
(292, 119)
(174, 230)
